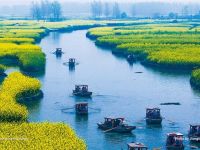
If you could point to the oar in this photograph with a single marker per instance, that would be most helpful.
(109, 130)
(94, 109)
(159, 148)
(193, 147)
(141, 120)
(67, 108)
(169, 120)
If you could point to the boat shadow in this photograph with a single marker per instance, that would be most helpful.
(154, 126)
(81, 118)
(118, 138)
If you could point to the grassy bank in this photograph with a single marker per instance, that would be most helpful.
(195, 78)
(164, 45)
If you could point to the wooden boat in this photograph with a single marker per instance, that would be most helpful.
(153, 116)
(58, 52)
(72, 62)
(137, 146)
(82, 91)
(81, 108)
(131, 58)
(194, 133)
(174, 141)
(115, 125)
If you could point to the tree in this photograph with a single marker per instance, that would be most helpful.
(116, 11)
(156, 15)
(99, 9)
(133, 11)
(35, 11)
(56, 11)
(185, 11)
(96, 9)
(124, 15)
(46, 10)
(172, 15)
(106, 9)
(93, 9)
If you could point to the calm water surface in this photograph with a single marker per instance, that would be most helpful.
(118, 91)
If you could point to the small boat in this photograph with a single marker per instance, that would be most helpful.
(82, 91)
(131, 58)
(194, 133)
(72, 62)
(174, 141)
(153, 116)
(115, 125)
(81, 108)
(58, 52)
(137, 146)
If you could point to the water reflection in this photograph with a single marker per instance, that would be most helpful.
(55, 37)
(154, 126)
(119, 141)
(168, 71)
(81, 119)
(39, 74)
(33, 108)
(71, 68)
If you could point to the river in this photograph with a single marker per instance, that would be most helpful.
(118, 91)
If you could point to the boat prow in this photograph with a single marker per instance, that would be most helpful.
(115, 125)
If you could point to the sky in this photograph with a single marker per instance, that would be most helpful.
(26, 2)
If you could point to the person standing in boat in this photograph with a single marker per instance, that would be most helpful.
(84, 89)
(77, 89)
(198, 131)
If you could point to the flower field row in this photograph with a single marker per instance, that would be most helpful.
(39, 136)
(21, 135)
(30, 56)
(17, 39)
(165, 45)
(13, 87)
(17, 43)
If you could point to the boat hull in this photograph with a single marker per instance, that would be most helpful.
(154, 121)
(71, 64)
(175, 147)
(82, 94)
(82, 113)
(194, 139)
(125, 129)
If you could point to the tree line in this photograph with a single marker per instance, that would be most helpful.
(107, 10)
(45, 10)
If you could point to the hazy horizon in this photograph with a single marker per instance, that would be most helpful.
(27, 2)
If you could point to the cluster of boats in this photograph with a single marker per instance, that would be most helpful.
(153, 117)
(174, 140)
(72, 61)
